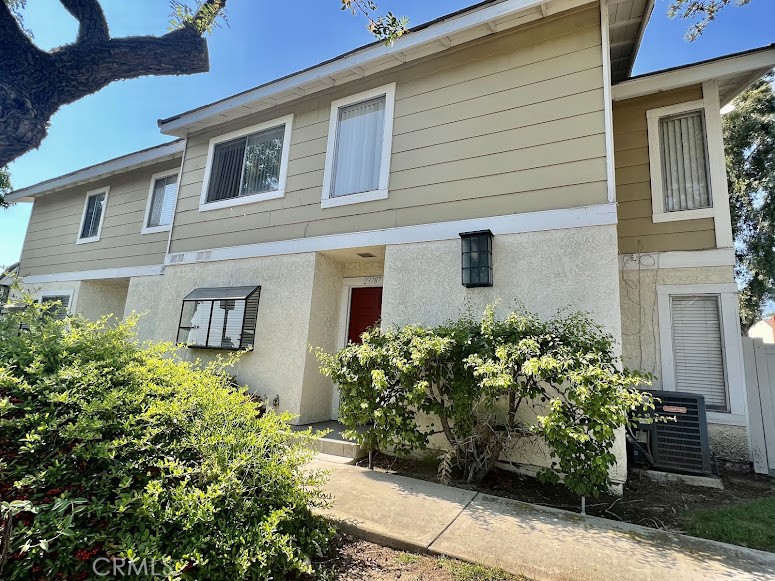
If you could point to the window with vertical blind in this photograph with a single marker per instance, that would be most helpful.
(698, 348)
(249, 165)
(161, 202)
(684, 161)
(359, 146)
(93, 216)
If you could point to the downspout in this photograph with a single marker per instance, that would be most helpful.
(177, 195)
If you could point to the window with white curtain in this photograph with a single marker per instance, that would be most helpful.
(684, 160)
(161, 202)
(93, 216)
(359, 146)
(248, 165)
(698, 348)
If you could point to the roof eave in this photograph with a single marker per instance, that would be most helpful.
(430, 39)
(130, 162)
(749, 65)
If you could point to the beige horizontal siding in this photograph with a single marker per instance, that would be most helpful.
(637, 232)
(507, 124)
(50, 245)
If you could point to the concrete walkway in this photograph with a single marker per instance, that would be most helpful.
(541, 543)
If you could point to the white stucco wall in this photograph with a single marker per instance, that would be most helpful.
(276, 366)
(640, 337)
(544, 271)
(762, 330)
(99, 298)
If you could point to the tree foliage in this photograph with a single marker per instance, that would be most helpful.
(703, 11)
(5, 185)
(491, 386)
(110, 452)
(749, 137)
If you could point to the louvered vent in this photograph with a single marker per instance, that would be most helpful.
(682, 445)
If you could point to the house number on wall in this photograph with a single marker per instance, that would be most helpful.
(372, 280)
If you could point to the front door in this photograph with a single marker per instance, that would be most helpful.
(365, 310)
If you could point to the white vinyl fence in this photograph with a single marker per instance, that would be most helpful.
(759, 360)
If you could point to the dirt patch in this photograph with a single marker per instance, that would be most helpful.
(357, 560)
(644, 502)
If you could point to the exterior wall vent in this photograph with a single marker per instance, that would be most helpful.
(203, 255)
(176, 258)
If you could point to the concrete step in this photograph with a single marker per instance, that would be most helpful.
(333, 443)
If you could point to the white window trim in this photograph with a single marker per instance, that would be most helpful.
(204, 206)
(381, 193)
(714, 142)
(154, 178)
(733, 350)
(59, 293)
(106, 191)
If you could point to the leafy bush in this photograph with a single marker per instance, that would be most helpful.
(488, 384)
(110, 451)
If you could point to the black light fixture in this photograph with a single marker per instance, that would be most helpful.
(477, 258)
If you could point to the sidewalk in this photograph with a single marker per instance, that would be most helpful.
(541, 543)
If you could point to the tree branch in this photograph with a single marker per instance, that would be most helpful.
(87, 69)
(11, 32)
(93, 26)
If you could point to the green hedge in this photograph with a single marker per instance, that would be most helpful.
(110, 451)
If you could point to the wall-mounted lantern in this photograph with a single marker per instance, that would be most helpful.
(477, 258)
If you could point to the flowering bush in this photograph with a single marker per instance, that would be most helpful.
(114, 453)
(486, 384)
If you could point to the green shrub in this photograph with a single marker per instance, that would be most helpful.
(488, 384)
(110, 451)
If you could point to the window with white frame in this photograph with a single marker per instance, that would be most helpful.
(248, 165)
(700, 346)
(359, 146)
(58, 303)
(93, 216)
(679, 162)
(161, 202)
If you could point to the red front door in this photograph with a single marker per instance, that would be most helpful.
(365, 310)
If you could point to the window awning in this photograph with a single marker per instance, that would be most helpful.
(236, 293)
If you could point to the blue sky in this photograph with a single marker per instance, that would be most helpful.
(266, 40)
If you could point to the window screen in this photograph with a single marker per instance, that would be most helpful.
(162, 201)
(58, 305)
(246, 165)
(698, 348)
(219, 318)
(684, 156)
(358, 154)
(95, 206)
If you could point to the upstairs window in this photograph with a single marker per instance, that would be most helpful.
(219, 318)
(679, 162)
(93, 216)
(161, 203)
(684, 159)
(246, 166)
(359, 147)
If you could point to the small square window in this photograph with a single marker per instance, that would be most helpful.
(219, 318)
(476, 258)
(57, 304)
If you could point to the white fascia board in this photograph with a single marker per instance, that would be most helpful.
(360, 61)
(694, 74)
(584, 216)
(114, 166)
(100, 274)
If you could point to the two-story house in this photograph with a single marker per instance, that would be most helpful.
(500, 154)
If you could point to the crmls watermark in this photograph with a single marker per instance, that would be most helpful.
(119, 567)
